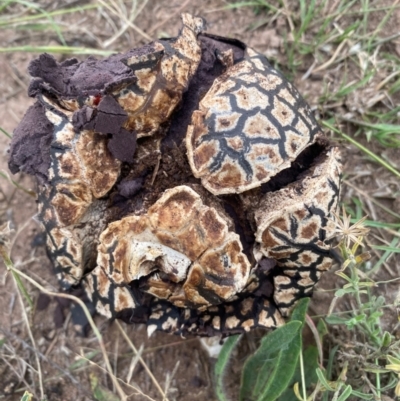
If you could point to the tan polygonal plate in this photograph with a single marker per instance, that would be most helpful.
(251, 124)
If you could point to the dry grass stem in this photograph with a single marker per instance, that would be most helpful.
(122, 17)
(146, 368)
(25, 316)
(88, 316)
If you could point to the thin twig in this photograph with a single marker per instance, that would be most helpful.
(386, 80)
(128, 340)
(132, 17)
(88, 316)
(132, 25)
(363, 193)
(134, 361)
(332, 59)
(314, 330)
(90, 362)
(9, 334)
(25, 316)
(160, 24)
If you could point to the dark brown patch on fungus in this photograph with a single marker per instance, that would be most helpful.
(73, 79)
(30, 146)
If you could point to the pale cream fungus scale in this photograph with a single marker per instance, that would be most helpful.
(185, 184)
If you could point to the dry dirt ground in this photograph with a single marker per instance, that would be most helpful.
(179, 364)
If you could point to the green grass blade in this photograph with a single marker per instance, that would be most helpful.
(22, 288)
(322, 379)
(5, 5)
(5, 133)
(346, 393)
(395, 243)
(386, 248)
(57, 49)
(241, 4)
(363, 148)
(222, 364)
(15, 183)
(7, 21)
(45, 14)
(307, 11)
(377, 224)
(9, 266)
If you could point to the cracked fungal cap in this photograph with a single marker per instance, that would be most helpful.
(251, 125)
(180, 251)
(184, 184)
(127, 95)
(81, 171)
(291, 228)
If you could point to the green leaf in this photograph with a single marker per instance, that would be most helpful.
(221, 365)
(267, 374)
(299, 312)
(343, 276)
(100, 393)
(310, 357)
(27, 396)
(346, 393)
(393, 360)
(323, 380)
(375, 369)
(265, 361)
(283, 372)
(84, 361)
(342, 291)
